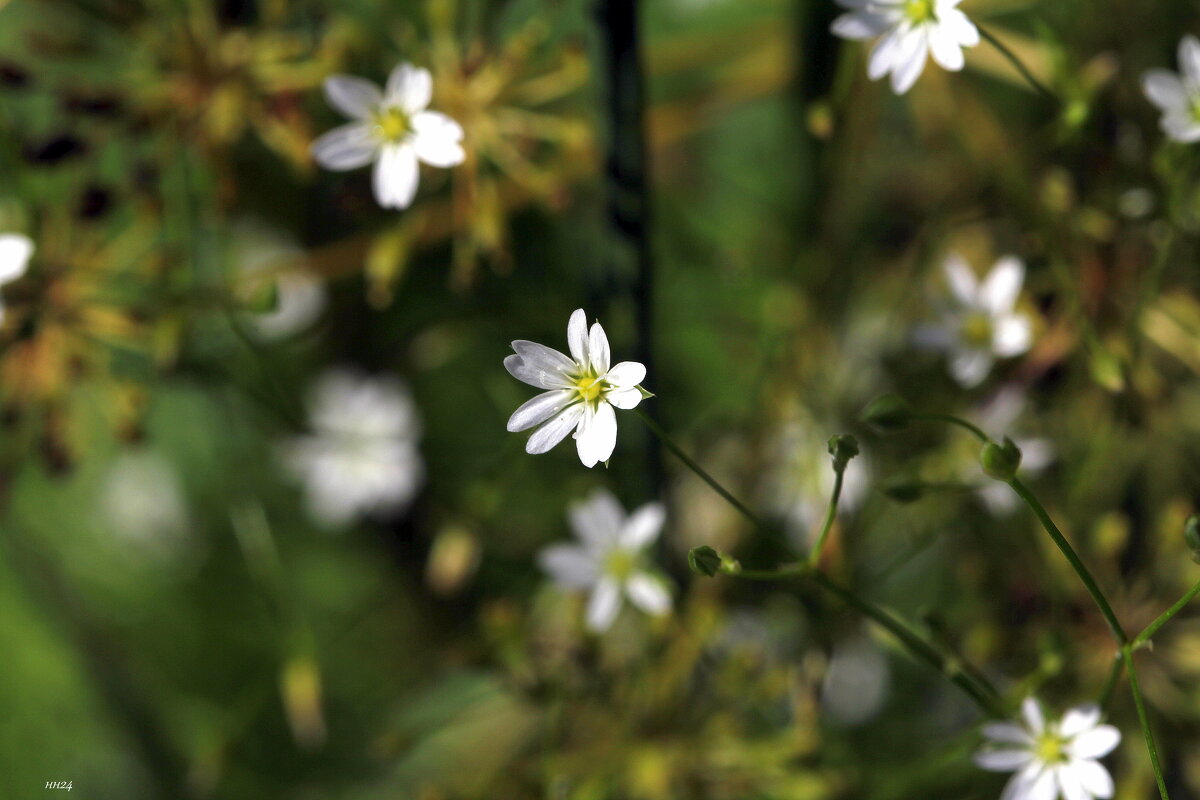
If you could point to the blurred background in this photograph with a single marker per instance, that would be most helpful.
(196, 603)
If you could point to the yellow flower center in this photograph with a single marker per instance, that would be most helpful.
(620, 564)
(919, 11)
(977, 329)
(589, 387)
(392, 125)
(1050, 748)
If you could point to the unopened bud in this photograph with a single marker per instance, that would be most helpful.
(704, 560)
(1000, 461)
(842, 447)
(1191, 536)
(891, 412)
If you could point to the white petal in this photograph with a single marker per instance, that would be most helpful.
(539, 356)
(1007, 732)
(1182, 127)
(596, 437)
(1018, 788)
(1043, 787)
(597, 520)
(15, 252)
(554, 431)
(860, 25)
(598, 350)
(648, 593)
(577, 336)
(959, 26)
(1096, 743)
(1095, 778)
(643, 526)
(1069, 784)
(354, 97)
(970, 367)
(1002, 760)
(884, 54)
(944, 48)
(410, 88)
(624, 399)
(1079, 719)
(539, 409)
(1035, 721)
(1000, 289)
(534, 373)
(1164, 89)
(1189, 61)
(436, 139)
(626, 374)
(570, 566)
(1012, 336)
(961, 280)
(910, 61)
(604, 605)
(396, 176)
(347, 147)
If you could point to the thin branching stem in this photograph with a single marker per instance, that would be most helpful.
(814, 555)
(953, 420)
(1153, 627)
(1038, 86)
(1144, 719)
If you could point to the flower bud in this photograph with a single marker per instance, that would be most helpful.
(1000, 461)
(704, 560)
(903, 488)
(842, 447)
(890, 412)
(1191, 536)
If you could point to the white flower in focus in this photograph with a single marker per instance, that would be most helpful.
(1051, 759)
(361, 457)
(909, 31)
(981, 323)
(391, 128)
(15, 252)
(583, 391)
(1178, 96)
(609, 561)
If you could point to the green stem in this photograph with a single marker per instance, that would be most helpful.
(814, 555)
(1153, 627)
(1088, 581)
(1144, 719)
(1110, 683)
(1016, 62)
(953, 420)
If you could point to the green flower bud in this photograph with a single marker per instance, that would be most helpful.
(842, 447)
(1191, 536)
(704, 560)
(903, 488)
(1000, 461)
(891, 412)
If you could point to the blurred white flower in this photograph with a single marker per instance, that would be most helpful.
(909, 31)
(1051, 759)
(263, 255)
(391, 128)
(583, 391)
(609, 561)
(997, 417)
(980, 323)
(856, 681)
(15, 252)
(1178, 95)
(143, 503)
(361, 457)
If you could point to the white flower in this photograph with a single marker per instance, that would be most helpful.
(980, 324)
(1051, 759)
(15, 252)
(1178, 96)
(264, 257)
(361, 457)
(609, 559)
(392, 128)
(583, 391)
(909, 31)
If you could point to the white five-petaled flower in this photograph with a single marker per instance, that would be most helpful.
(1178, 96)
(361, 457)
(582, 391)
(392, 128)
(909, 31)
(609, 561)
(1051, 759)
(15, 252)
(981, 323)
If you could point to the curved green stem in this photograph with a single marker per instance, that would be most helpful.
(1038, 86)
(953, 420)
(1144, 719)
(1153, 627)
(1082, 571)
(814, 555)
